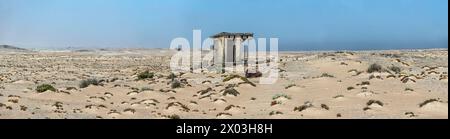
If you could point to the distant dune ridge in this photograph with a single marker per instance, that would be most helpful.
(11, 48)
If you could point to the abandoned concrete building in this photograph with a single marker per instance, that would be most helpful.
(229, 52)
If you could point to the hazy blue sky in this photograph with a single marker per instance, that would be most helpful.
(299, 24)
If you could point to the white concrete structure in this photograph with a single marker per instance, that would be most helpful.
(229, 52)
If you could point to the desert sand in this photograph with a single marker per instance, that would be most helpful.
(410, 84)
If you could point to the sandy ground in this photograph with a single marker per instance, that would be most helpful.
(311, 85)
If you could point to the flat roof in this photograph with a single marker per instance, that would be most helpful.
(221, 34)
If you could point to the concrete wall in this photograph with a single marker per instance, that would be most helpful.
(229, 52)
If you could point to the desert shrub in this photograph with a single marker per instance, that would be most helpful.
(350, 88)
(374, 101)
(410, 114)
(167, 90)
(223, 113)
(409, 89)
(275, 112)
(13, 100)
(114, 79)
(207, 81)
(281, 96)
(391, 55)
(23, 108)
(327, 75)
(230, 77)
(395, 69)
(184, 81)
(174, 116)
(86, 83)
(253, 75)
(229, 107)
(146, 89)
(273, 103)
(303, 107)
(390, 76)
(145, 75)
(172, 76)
(71, 88)
(129, 110)
(374, 68)
(428, 101)
(202, 92)
(290, 85)
(193, 102)
(134, 89)
(358, 73)
(338, 96)
(45, 87)
(405, 79)
(175, 84)
(231, 91)
(365, 83)
(324, 106)
(184, 107)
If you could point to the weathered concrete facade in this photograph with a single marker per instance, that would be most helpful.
(229, 52)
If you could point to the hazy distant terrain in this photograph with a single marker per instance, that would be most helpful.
(113, 84)
(9, 48)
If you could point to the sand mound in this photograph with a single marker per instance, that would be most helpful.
(114, 114)
(233, 109)
(435, 106)
(219, 101)
(223, 116)
(23, 82)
